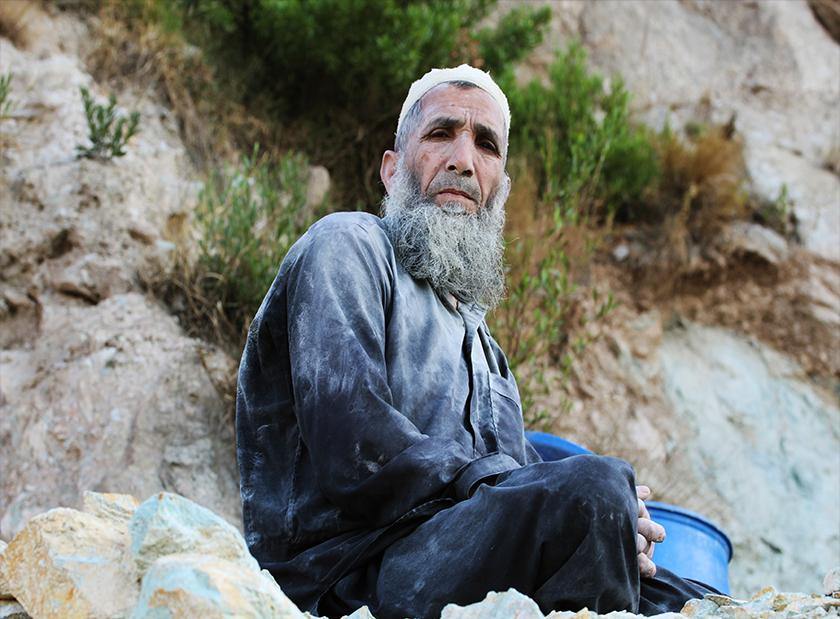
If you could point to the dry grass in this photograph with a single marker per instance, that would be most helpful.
(702, 185)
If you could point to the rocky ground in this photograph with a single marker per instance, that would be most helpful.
(168, 556)
(724, 396)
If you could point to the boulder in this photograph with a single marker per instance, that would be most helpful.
(511, 603)
(115, 508)
(184, 586)
(747, 239)
(66, 564)
(168, 524)
(5, 591)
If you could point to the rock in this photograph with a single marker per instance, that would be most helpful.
(184, 586)
(748, 239)
(92, 277)
(621, 252)
(66, 563)
(117, 508)
(5, 592)
(828, 14)
(770, 64)
(143, 232)
(78, 412)
(831, 583)
(317, 187)
(505, 605)
(746, 405)
(20, 317)
(360, 613)
(9, 609)
(168, 524)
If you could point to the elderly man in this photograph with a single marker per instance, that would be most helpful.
(380, 436)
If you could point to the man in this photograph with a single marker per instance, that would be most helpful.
(380, 435)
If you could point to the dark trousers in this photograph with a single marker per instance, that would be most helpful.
(563, 533)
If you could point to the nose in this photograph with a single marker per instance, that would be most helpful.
(461, 157)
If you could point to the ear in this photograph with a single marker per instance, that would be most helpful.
(388, 168)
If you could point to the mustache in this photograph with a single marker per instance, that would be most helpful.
(453, 180)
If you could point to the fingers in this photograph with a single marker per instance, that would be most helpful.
(643, 492)
(651, 530)
(642, 544)
(643, 510)
(647, 569)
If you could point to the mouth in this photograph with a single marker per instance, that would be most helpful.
(456, 192)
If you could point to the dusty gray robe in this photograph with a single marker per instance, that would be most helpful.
(365, 405)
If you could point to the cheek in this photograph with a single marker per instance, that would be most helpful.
(427, 166)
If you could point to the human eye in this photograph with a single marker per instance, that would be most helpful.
(488, 145)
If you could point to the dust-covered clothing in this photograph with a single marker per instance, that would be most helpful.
(367, 407)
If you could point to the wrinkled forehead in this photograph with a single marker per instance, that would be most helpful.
(467, 104)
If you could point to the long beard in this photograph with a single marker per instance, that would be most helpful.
(457, 252)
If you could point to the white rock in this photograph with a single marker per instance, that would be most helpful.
(505, 605)
(186, 586)
(117, 508)
(317, 186)
(831, 582)
(5, 592)
(168, 524)
(9, 609)
(751, 239)
(66, 563)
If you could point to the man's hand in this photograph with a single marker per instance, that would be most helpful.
(649, 532)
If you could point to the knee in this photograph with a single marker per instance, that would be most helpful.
(601, 487)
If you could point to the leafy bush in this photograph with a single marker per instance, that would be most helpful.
(107, 132)
(576, 135)
(333, 73)
(247, 218)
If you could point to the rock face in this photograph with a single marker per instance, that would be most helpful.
(101, 389)
(723, 425)
(770, 64)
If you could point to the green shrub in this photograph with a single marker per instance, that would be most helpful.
(247, 218)
(107, 132)
(333, 73)
(577, 136)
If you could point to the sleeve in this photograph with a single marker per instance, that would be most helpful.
(371, 460)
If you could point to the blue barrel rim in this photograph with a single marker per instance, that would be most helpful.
(696, 518)
(552, 440)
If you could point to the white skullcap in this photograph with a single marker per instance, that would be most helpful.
(463, 73)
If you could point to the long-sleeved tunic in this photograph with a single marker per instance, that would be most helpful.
(366, 404)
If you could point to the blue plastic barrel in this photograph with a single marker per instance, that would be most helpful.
(552, 447)
(693, 548)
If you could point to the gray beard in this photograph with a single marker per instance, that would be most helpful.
(457, 252)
